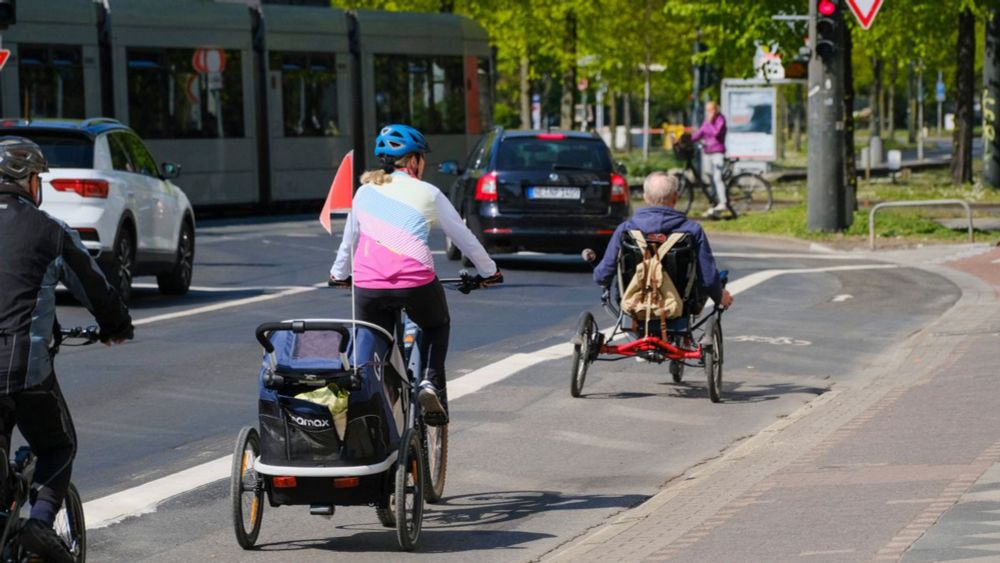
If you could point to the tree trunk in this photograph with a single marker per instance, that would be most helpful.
(613, 120)
(893, 76)
(991, 93)
(965, 82)
(875, 97)
(525, 93)
(569, 74)
(850, 164)
(627, 119)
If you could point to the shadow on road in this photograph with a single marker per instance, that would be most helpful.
(456, 524)
(732, 393)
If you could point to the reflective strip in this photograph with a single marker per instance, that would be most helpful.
(347, 471)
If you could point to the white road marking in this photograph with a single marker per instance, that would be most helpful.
(842, 297)
(776, 340)
(225, 289)
(826, 552)
(224, 305)
(808, 256)
(144, 498)
(911, 501)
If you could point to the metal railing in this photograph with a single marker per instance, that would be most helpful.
(920, 203)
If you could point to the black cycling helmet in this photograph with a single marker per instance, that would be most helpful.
(20, 157)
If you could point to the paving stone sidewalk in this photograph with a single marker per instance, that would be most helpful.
(904, 467)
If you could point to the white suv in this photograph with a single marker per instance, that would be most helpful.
(104, 183)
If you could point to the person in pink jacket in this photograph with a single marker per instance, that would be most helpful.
(712, 135)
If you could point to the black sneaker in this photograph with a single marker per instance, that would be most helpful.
(43, 541)
(435, 412)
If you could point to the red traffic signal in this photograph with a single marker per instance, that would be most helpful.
(827, 8)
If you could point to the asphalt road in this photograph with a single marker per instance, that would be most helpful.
(530, 467)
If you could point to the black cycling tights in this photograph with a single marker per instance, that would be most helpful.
(426, 306)
(43, 419)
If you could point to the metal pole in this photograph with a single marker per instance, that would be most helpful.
(991, 92)
(920, 112)
(939, 124)
(825, 173)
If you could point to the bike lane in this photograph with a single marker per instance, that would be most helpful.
(905, 451)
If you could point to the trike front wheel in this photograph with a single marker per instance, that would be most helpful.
(713, 365)
(583, 342)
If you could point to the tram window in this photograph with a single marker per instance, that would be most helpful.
(169, 99)
(308, 93)
(485, 94)
(426, 92)
(51, 81)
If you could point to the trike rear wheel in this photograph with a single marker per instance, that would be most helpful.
(246, 490)
(409, 498)
(583, 343)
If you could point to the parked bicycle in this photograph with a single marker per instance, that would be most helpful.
(746, 192)
(15, 490)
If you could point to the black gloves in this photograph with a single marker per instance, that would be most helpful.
(486, 282)
(121, 333)
(339, 284)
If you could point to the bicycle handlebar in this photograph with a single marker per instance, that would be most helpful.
(89, 335)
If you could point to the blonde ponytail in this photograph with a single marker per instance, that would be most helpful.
(382, 176)
(377, 177)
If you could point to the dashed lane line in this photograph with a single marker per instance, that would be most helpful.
(143, 499)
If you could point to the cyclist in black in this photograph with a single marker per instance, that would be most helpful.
(37, 252)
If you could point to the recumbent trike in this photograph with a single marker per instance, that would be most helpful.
(693, 339)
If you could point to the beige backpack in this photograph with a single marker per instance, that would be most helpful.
(651, 293)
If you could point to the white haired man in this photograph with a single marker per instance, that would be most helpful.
(660, 191)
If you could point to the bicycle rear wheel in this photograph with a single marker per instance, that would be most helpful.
(436, 462)
(70, 525)
(409, 496)
(749, 192)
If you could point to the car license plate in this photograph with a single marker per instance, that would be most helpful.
(553, 192)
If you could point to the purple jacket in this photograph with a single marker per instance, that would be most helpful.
(712, 135)
(661, 219)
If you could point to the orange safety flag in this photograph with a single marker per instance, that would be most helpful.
(341, 192)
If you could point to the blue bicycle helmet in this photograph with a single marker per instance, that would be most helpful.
(395, 141)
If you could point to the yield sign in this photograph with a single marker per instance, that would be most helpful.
(4, 55)
(865, 10)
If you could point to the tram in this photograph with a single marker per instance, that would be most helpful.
(258, 103)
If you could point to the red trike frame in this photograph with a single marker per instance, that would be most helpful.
(652, 344)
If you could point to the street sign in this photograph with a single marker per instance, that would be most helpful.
(4, 55)
(209, 60)
(939, 91)
(865, 10)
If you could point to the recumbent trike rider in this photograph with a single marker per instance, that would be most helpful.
(659, 313)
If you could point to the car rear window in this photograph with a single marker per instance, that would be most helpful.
(532, 153)
(60, 150)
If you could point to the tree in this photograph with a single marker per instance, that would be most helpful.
(965, 80)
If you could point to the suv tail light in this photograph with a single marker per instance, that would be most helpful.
(619, 189)
(486, 188)
(85, 188)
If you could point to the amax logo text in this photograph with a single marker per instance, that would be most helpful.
(311, 423)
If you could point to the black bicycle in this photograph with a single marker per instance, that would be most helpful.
(16, 488)
(745, 192)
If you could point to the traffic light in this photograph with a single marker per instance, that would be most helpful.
(8, 13)
(826, 29)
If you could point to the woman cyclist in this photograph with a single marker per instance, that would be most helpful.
(389, 226)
